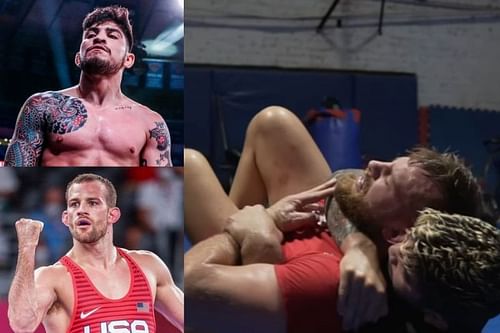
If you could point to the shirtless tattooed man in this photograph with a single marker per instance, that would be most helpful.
(92, 123)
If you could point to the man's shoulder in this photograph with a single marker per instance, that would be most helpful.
(141, 256)
(43, 97)
(147, 260)
(50, 273)
(144, 111)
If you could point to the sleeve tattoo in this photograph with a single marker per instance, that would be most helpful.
(43, 114)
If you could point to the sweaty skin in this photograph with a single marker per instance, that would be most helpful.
(47, 294)
(92, 123)
(61, 129)
(59, 314)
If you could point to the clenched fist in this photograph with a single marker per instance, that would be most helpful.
(28, 232)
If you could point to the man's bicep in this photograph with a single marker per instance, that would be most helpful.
(45, 291)
(25, 148)
(169, 299)
(236, 299)
(158, 146)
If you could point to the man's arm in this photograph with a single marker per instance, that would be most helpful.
(221, 297)
(362, 285)
(30, 294)
(169, 299)
(25, 148)
(158, 145)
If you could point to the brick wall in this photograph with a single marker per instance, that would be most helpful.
(454, 51)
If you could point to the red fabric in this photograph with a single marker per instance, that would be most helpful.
(135, 309)
(309, 280)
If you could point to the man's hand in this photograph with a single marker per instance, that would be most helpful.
(28, 232)
(302, 209)
(362, 290)
(256, 234)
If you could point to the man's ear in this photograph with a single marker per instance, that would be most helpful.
(435, 319)
(64, 217)
(114, 215)
(78, 60)
(129, 60)
(393, 236)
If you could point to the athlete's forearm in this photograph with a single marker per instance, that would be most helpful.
(23, 311)
(220, 249)
(204, 259)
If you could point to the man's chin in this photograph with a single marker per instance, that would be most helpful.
(98, 65)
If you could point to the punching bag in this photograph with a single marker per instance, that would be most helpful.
(336, 132)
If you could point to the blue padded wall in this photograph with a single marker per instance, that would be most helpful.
(389, 118)
(463, 131)
(387, 102)
(197, 107)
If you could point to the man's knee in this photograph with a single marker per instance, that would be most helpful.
(193, 158)
(273, 120)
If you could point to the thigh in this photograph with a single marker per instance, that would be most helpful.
(279, 158)
(206, 205)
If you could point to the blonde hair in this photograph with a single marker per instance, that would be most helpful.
(455, 263)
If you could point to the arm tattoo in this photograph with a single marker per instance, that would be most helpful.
(340, 226)
(43, 114)
(162, 137)
(160, 134)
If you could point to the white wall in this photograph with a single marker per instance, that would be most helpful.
(455, 53)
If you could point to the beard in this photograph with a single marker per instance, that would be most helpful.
(352, 204)
(97, 66)
(90, 236)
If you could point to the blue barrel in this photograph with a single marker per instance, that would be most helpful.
(336, 132)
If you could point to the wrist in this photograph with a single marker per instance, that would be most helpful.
(232, 232)
(276, 218)
(358, 241)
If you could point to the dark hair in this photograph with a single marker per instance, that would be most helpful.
(90, 177)
(458, 186)
(117, 14)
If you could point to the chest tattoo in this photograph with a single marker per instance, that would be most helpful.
(63, 114)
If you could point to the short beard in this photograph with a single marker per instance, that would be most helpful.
(93, 236)
(353, 206)
(98, 66)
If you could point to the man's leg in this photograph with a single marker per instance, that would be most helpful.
(279, 158)
(206, 205)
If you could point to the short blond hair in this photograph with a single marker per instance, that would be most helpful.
(455, 262)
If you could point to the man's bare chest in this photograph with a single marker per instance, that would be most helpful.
(72, 124)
